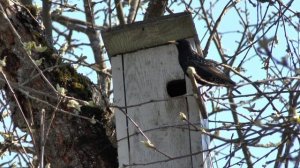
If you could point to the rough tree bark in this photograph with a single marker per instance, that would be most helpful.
(155, 9)
(74, 139)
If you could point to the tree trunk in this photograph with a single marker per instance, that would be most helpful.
(75, 139)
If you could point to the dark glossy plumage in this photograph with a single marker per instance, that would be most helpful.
(207, 69)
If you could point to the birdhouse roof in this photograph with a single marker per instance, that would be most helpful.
(147, 34)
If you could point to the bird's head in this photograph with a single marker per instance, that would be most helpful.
(182, 42)
(184, 47)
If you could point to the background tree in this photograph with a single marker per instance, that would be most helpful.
(52, 114)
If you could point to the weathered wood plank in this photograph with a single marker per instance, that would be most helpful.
(202, 142)
(146, 75)
(141, 35)
(121, 120)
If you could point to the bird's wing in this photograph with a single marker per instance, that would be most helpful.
(206, 66)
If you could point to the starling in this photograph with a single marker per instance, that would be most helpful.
(207, 69)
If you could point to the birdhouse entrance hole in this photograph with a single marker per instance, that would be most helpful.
(176, 87)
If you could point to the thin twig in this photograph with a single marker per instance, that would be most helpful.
(42, 148)
(191, 72)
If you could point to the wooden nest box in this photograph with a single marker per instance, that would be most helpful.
(150, 88)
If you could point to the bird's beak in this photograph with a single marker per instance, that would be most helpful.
(173, 42)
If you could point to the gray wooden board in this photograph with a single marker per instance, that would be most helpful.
(146, 34)
(195, 117)
(121, 121)
(146, 74)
